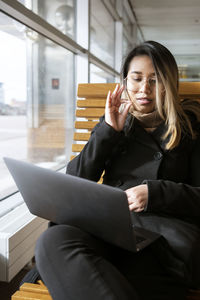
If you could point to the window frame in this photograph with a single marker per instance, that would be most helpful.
(19, 12)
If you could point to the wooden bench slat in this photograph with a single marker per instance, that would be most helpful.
(41, 282)
(34, 288)
(95, 90)
(81, 136)
(91, 103)
(72, 156)
(100, 90)
(194, 96)
(21, 295)
(189, 89)
(77, 147)
(85, 124)
(90, 112)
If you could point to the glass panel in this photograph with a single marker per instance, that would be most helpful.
(113, 2)
(59, 13)
(98, 75)
(189, 67)
(128, 29)
(127, 22)
(126, 46)
(119, 7)
(102, 33)
(36, 99)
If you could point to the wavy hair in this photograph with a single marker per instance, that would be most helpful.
(170, 109)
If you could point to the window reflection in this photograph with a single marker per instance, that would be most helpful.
(36, 99)
(126, 46)
(98, 75)
(102, 33)
(189, 67)
(59, 13)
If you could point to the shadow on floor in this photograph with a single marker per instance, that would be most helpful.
(7, 289)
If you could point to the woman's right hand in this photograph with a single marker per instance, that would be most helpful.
(113, 116)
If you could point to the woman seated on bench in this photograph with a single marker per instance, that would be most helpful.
(150, 148)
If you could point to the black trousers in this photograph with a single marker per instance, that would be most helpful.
(77, 266)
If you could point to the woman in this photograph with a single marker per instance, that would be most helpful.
(149, 148)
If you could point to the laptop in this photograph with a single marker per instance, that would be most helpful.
(98, 209)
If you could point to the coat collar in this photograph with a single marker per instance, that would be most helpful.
(133, 129)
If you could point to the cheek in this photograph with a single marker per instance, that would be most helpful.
(154, 93)
(132, 95)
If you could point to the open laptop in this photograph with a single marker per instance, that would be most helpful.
(98, 209)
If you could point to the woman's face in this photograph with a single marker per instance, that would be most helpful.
(141, 84)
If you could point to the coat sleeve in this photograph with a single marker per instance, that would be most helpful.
(90, 163)
(178, 199)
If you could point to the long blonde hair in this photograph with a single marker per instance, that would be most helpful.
(170, 108)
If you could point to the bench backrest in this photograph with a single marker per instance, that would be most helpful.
(91, 104)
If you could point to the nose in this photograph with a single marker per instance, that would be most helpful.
(145, 86)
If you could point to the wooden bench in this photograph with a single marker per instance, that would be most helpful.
(90, 106)
(30, 291)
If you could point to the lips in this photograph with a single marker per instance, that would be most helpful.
(144, 100)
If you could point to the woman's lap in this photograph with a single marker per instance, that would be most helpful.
(76, 265)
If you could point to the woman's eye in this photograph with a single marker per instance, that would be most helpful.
(136, 79)
(153, 81)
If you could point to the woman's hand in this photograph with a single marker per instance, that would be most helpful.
(137, 197)
(113, 117)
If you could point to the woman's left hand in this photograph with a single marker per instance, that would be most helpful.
(137, 197)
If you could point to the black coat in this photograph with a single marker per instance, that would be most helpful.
(133, 157)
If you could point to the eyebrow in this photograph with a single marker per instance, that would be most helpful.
(139, 73)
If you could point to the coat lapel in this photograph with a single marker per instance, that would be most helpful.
(134, 130)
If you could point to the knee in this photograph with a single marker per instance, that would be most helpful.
(54, 238)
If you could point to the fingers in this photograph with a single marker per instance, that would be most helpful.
(135, 205)
(113, 116)
(126, 108)
(135, 209)
(115, 96)
(116, 88)
(111, 97)
(108, 100)
(137, 197)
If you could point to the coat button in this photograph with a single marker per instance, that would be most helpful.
(158, 155)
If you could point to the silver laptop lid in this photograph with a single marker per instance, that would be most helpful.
(64, 199)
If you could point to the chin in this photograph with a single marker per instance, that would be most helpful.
(145, 110)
